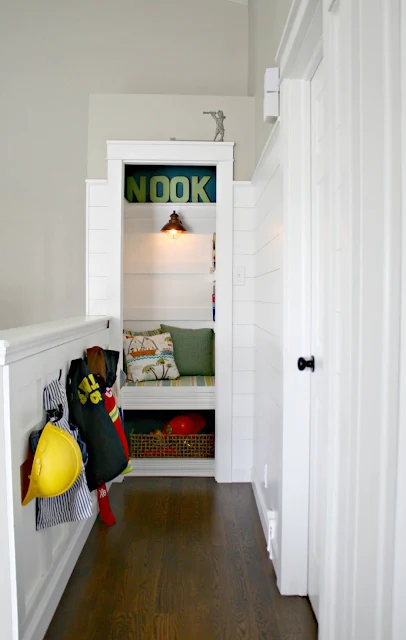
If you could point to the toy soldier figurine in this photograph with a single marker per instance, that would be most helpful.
(219, 117)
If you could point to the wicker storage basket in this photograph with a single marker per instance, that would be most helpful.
(171, 446)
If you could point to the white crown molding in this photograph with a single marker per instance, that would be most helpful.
(301, 36)
(333, 4)
(170, 152)
(240, 2)
(170, 143)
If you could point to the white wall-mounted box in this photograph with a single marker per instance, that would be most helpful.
(271, 80)
(271, 94)
(271, 106)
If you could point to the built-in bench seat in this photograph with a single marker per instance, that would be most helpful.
(187, 392)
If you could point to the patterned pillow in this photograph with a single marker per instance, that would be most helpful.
(150, 357)
(152, 332)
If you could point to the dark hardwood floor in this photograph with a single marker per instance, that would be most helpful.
(186, 561)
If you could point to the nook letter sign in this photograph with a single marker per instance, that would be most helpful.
(152, 183)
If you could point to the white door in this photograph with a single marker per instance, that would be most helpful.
(318, 395)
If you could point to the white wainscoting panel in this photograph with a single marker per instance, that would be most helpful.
(244, 359)
(243, 313)
(40, 563)
(361, 597)
(97, 240)
(267, 443)
(243, 332)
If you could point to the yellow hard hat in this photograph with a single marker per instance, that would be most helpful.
(56, 466)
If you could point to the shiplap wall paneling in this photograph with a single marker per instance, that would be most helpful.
(361, 600)
(169, 291)
(168, 280)
(243, 333)
(147, 250)
(97, 247)
(151, 217)
(268, 424)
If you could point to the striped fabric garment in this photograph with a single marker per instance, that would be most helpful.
(73, 505)
(183, 381)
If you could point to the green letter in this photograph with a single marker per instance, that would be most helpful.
(185, 189)
(198, 189)
(140, 192)
(153, 189)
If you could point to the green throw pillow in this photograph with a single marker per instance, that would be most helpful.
(193, 350)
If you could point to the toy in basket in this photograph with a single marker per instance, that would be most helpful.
(179, 438)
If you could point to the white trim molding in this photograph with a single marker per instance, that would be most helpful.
(298, 56)
(170, 152)
(301, 40)
(268, 519)
(23, 342)
(295, 134)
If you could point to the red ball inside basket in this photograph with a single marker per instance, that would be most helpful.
(198, 422)
(180, 425)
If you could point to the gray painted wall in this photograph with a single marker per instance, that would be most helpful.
(53, 55)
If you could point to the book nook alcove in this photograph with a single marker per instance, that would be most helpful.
(159, 265)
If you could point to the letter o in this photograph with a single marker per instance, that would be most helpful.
(185, 189)
(153, 192)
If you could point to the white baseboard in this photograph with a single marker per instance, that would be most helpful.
(241, 475)
(175, 467)
(267, 517)
(49, 599)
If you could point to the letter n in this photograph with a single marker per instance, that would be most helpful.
(140, 192)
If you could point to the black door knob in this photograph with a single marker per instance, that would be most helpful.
(303, 364)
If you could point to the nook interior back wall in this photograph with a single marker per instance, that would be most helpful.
(168, 280)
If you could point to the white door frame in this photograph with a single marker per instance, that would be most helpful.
(120, 153)
(299, 55)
